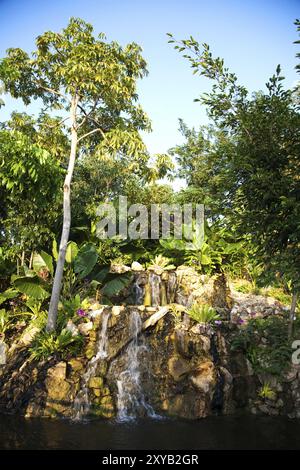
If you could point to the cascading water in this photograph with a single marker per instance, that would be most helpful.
(81, 402)
(138, 292)
(131, 401)
(171, 287)
(155, 283)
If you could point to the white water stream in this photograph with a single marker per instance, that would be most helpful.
(81, 402)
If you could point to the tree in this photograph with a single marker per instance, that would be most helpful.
(30, 180)
(297, 23)
(204, 163)
(262, 161)
(93, 82)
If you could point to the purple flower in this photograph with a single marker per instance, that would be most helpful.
(218, 322)
(240, 321)
(81, 312)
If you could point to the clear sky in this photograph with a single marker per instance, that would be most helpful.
(252, 35)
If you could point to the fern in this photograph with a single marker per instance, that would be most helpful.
(46, 344)
(203, 313)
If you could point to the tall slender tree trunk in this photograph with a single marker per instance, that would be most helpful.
(57, 282)
(292, 314)
(31, 260)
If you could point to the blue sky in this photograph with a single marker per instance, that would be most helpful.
(252, 35)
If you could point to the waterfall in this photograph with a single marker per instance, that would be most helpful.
(81, 402)
(171, 287)
(130, 399)
(155, 282)
(138, 293)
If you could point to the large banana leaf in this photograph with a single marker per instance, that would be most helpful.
(32, 287)
(173, 244)
(85, 260)
(54, 250)
(72, 251)
(100, 275)
(8, 294)
(42, 260)
(116, 285)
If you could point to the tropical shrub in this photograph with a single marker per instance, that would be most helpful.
(160, 263)
(203, 313)
(5, 321)
(63, 344)
(266, 392)
(273, 354)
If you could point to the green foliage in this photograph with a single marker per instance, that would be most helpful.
(71, 253)
(277, 293)
(217, 251)
(203, 313)
(297, 23)
(243, 286)
(5, 321)
(74, 63)
(32, 286)
(42, 261)
(249, 164)
(160, 263)
(63, 344)
(116, 285)
(29, 181)
(85, 260)
(71, 306)
(266, 392)
(94, 82)
(273, 354)
(8, 294)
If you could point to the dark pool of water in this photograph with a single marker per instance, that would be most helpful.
(245, 432)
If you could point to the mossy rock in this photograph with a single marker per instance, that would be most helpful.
(105, 392)
(96, 382)
(93, 335)
(57, 389)
(103, 410)
(178, 368)
(90, 350)
(107, 401)
(75, 364)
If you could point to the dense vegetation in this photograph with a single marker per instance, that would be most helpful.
(85, 147)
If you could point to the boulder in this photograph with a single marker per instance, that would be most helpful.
(137, 267)
(28, 335)
(59, 371)
(72, 328)
(117, 309)
(119, 268)
(96, 382)
(178, 368)
(204, 377)
(186, 405)
(85, 328)
(57, 388)
(75, 364)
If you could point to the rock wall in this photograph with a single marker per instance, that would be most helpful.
(185, 370)
(145, 361)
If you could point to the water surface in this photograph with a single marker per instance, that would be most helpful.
(245, 432)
